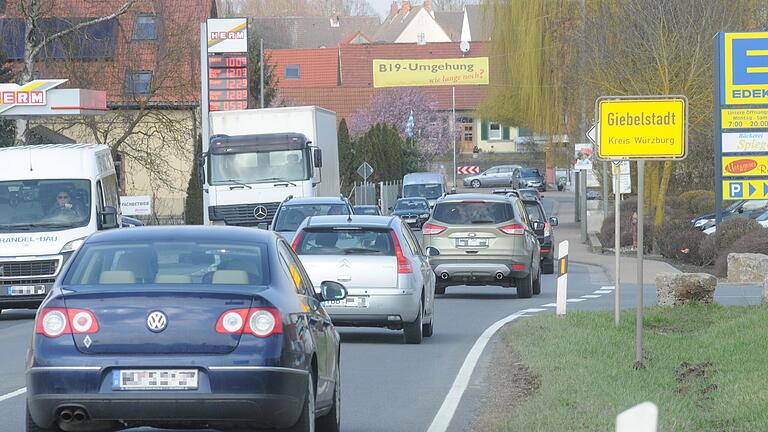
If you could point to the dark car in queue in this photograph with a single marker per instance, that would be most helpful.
(413, 211)
(184, 326)
(545, 233)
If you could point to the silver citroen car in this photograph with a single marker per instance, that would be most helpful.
(389, 279)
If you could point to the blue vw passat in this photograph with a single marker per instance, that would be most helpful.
(194, 327)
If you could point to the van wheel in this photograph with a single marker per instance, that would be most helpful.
(537, 283)
(414, 331)
(475, 183)
(525, 286)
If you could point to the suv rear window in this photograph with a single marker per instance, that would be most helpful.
(475, 212)
(361, 241)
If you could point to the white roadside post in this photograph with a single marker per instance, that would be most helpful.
(562, 278)
(640, 418)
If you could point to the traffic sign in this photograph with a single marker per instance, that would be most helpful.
(592, 134)
(745, 118)
(743, 76)
(642, 128)
(745, 166)
(745, 189)
(365, 170)
(470, 169)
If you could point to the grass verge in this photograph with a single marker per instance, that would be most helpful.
(706, 369)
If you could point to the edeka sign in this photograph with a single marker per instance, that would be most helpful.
(743, 68)
(423, 72)
(652, 128)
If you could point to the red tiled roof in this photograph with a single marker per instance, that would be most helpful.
(345, 102)
(318, 67)
(173, 57)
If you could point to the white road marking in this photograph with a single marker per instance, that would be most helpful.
(532, 310)
(575, 300)
(445, 414)
(607, 287)
(13, 394)
(590, 296)
(549, 305)
(603, 292)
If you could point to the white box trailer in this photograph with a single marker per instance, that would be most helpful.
(256, 158)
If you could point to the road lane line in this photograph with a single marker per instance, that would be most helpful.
(13, 394)
(532, 310)
(603, 292)
(549, 305)
(590, 296)
(445, 414)
(575, 300)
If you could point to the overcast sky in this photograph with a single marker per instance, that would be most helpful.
(381, 6)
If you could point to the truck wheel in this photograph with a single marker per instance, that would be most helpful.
(525, 286)
(475, 183)
(414, 331)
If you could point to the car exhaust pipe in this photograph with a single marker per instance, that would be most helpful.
(444, 275)
(66, 415)
(499, 275)
(79, 415)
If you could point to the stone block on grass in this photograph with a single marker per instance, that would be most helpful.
(747, 267)
(674, 289)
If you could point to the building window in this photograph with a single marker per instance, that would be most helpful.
(138, 82)
(494, 131)
(292, 72)
(145, 28)
(467, 132)
(421, 38)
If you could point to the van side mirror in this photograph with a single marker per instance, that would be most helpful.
(201, 171)
(317, 155)
(108, 218)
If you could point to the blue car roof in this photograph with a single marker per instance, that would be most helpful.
(183, 233)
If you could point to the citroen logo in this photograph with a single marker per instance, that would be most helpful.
(260, 212)
(157, 321)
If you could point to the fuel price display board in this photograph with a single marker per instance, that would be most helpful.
(227, 81)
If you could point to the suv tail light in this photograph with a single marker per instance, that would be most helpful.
(260, 322)
(514, 229)
(430, 229)
(54, 322)
(403, 266)
(296, 240)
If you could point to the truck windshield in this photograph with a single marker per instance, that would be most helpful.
(260, 167)
(34, 205)
(428, 191)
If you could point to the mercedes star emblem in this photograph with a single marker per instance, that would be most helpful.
(260, 212)
(157, 321)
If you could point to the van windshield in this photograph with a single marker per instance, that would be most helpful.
(35, 205)
(428, 191)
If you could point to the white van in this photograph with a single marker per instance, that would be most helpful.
(51, 198)
(427, 185)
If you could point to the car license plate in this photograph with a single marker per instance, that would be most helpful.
(350, 301)
(471, 242)
(21, 290)
(154, 379)
(409, 220)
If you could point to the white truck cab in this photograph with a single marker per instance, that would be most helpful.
(51, 198)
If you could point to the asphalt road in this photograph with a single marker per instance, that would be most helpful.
(389, 386)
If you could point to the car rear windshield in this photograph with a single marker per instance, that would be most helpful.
(355, 241)
(427, 190)
(473, 212)
(162, 264)
(529, 172)
(291, 216)
(534, 212)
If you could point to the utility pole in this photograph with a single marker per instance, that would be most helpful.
(261, 73)
(582, 184)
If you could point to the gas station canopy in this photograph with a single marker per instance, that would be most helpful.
(39, 98)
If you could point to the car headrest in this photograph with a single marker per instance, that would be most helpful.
(117, 277)
(232, 277)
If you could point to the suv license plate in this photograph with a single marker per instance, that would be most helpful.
(154, 379)
(22, 290)
(471, 242)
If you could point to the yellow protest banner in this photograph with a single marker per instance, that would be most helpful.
(432, 72)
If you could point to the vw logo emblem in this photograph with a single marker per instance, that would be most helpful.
(157, 321)
(260, 212)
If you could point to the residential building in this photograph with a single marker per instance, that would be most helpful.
(312, 31)
(147, 61)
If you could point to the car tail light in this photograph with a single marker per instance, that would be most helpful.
(296, 240)
(518, 267)
(514, 229)
(54, 322)
(430, 229)
(260, 322)
(403, 266)
(264, 322)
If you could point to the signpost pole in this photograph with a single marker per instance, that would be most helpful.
(640, 251)
(605, 188)
(718, 135)
(453, 131)
(583, 205)
(617, 243)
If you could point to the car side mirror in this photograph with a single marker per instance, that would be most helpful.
(318, 157)
(453, 190)
(553, 221)
(432, 251)
(332, 291)
(108, 218)
(538, 226)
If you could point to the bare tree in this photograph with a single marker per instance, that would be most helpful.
(36, 39)
(451, 5)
